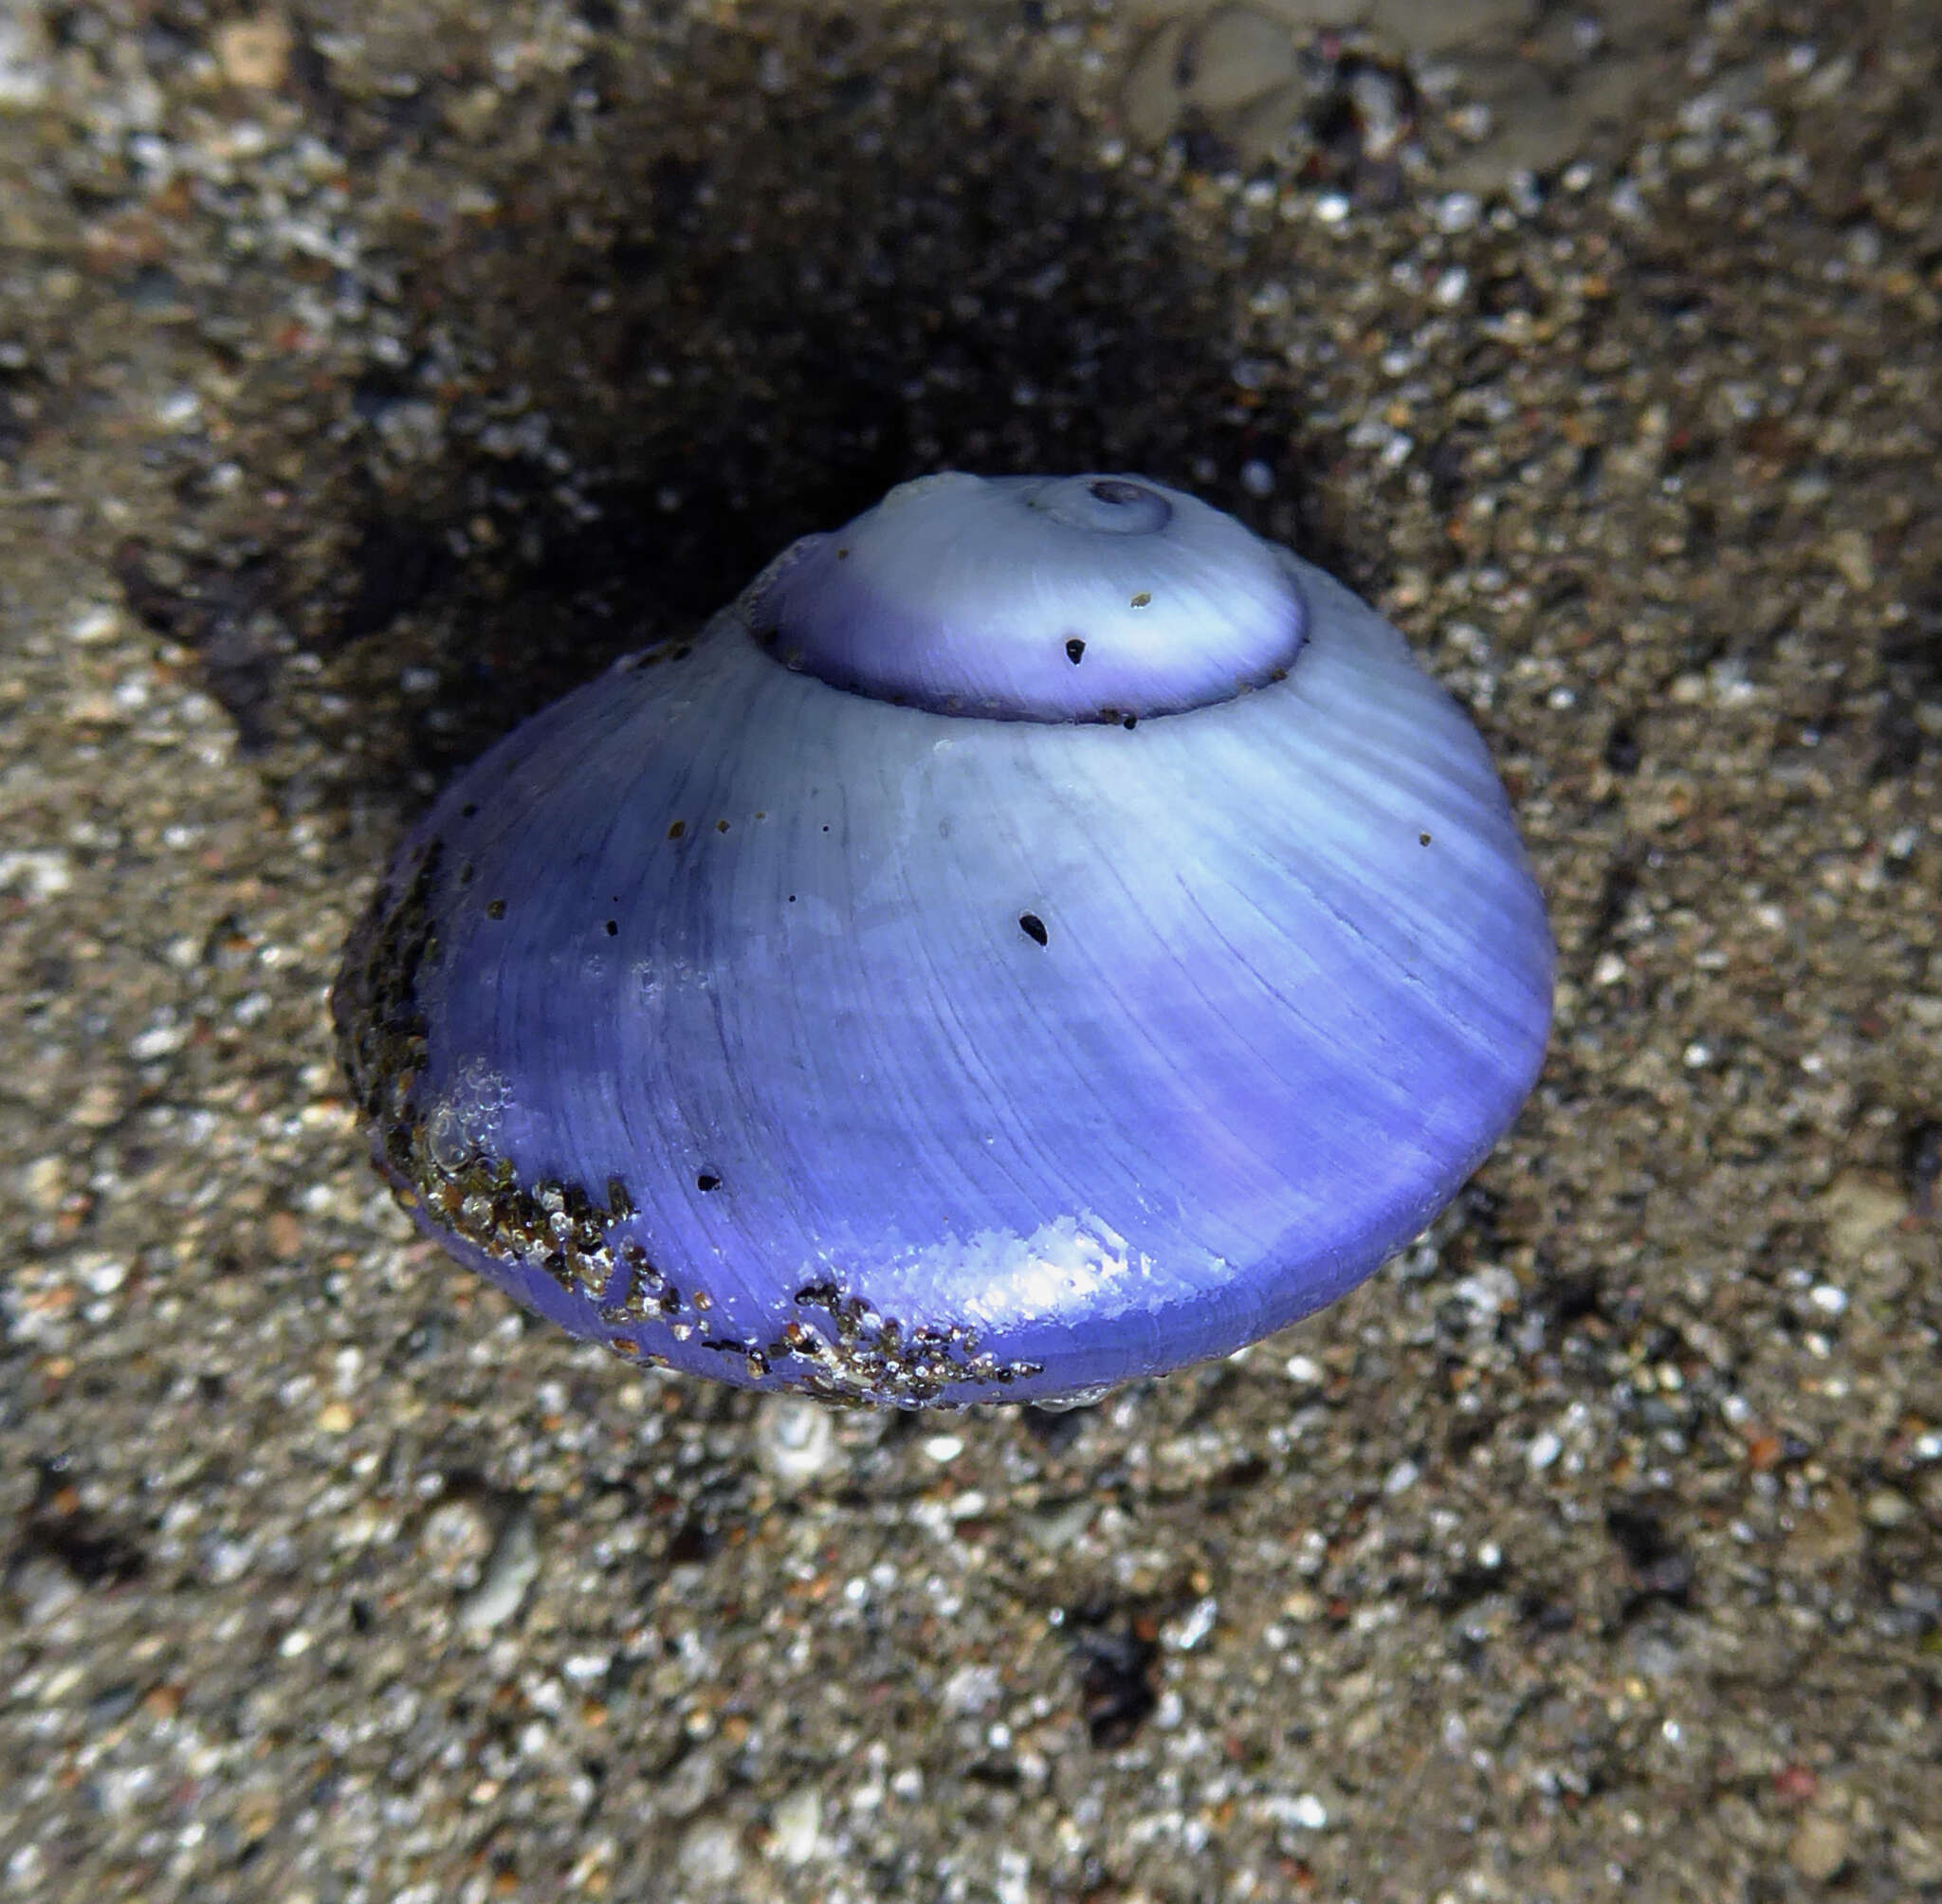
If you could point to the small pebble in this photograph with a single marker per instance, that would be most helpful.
(795, 1827)
(1859, 1213)
(710, 1854)
(94, 624)
(1819, 1848)
(1885, 1508)
(254, 53)
(514, 1565)
(455, 1539)
(26, 69)
(795, 1438)
(42, 1589)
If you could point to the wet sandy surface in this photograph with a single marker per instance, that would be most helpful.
(368, 377)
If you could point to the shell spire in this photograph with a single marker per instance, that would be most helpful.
(1034, 599)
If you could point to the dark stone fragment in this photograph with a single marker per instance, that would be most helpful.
(1115, 1685)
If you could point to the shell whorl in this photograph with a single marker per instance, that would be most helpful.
(1034, 599)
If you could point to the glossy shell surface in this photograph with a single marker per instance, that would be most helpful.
(780, 1033)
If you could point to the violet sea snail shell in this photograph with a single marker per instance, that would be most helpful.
(1040, 935)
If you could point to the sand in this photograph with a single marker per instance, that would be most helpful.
(372, 372)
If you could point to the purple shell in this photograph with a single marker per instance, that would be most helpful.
(751, 1011)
